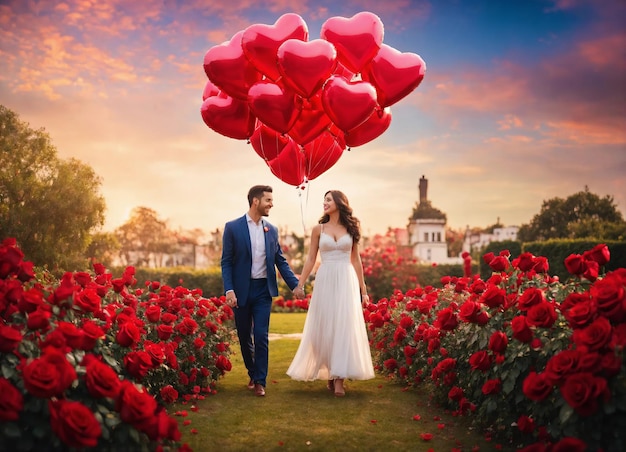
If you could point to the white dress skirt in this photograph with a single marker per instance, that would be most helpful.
(334, 339)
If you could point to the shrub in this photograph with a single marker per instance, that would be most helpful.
(538, 361)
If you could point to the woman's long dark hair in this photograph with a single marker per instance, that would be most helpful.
(351, 223)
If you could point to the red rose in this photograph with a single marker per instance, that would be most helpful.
(164, 332)
(525, 424)
(569, 444)
(74, 424)
(390, 364)
(9, 338)
(73, 336)
(581, 314)
(138, 363)
(406, 322)
(153, 313)
(39, 320)
(446, 319)
(30, 300)
(82, 278)
(581, 391)
(498, 342)
(88, 300)
(98, 268)
(499, 263)
(541, 315)
(595, 336)
(536, 386)
(488, 257)
(91, 333)
(65, 289)
(492, 386)
(187, 326)
(525, 262)
(456, 393)
(610, 296)
(530, 297)
(128, 334)
(168, 318)
(469, 311)
(573, 299)
(480, 360)
(223, 363)
(541, 265)
(11, 402)
(156, 353)
(521, 329)
(564, 363)
(49, 375)
(494, 297)
(135, 407)
(169, 394)
(575, 264)
(101, 380)
(599, 253)
(611, 364)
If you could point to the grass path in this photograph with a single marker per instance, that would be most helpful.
(375, 415)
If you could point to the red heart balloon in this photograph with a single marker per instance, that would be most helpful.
(229, 69)
(348, 104)
(356, 39)
(228, 116)
(321, 154)
(210, 90)
(311, 122)
(274, 105)
(305, 66)
(372, 128)
(394, 74)
(289, 165)
(261, 42)
(267, 142)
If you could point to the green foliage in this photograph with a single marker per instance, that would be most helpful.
(557, 250)
(208, 281)
(50, 206)
(581, 215)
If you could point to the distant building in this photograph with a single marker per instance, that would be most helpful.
(427, 231)
(476, 239)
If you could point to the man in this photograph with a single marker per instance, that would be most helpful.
(250, 255)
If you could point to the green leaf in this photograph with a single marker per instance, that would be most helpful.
(565, 413)
(11, 430)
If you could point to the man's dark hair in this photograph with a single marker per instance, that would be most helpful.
(257, 192)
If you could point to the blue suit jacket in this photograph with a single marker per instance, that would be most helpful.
(237, 259)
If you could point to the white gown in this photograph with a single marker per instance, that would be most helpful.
(334, 339)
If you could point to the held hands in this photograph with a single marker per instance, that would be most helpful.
(299, 292)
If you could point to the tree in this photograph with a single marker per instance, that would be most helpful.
(145, 238)
(49, 205)
(103, 248)
(581, 215)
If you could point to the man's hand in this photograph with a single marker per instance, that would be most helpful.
(231, 299)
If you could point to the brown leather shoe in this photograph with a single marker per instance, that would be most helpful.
(251, 385)
(259, 390)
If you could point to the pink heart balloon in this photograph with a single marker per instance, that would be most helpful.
(321, 154)
(267, 142)
(289, 165)
(373, 127)
(273, 105)
(228, 116)
(311, 122)
(348, 104)
(305, 66)
(357, 39)
(394, 74)
(261, 42)
(229, 69)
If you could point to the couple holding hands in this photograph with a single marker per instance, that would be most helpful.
(334, 345)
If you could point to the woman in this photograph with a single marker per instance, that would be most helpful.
(334, 344)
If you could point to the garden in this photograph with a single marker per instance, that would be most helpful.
(95, 362)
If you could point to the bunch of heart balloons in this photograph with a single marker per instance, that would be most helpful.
(300, 103)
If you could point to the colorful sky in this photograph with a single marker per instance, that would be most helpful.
(522, 101)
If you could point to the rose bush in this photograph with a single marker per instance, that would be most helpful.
(87, 361)
(537, 361)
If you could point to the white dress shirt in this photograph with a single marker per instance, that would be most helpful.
(257, 242)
